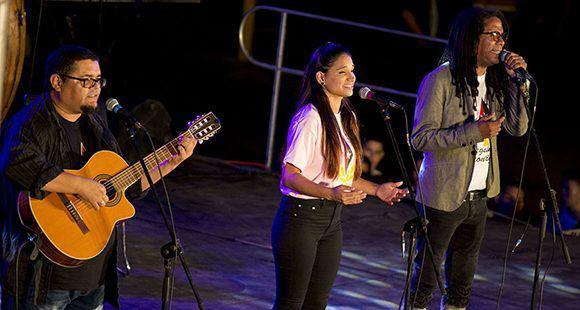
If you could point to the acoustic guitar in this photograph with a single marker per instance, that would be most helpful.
(71, 231)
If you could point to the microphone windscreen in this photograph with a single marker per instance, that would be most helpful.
(503, 55)
(364, 92)
(111, 104)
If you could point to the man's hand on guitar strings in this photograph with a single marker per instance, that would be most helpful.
(93, 192)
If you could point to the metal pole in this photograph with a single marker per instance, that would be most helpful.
(276, 89)
(541, 236)
(3, 51)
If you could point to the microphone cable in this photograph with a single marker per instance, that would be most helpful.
(551, 260)
(526, 151)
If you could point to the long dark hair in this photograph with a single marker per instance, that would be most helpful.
(461, 53)
(311, 92)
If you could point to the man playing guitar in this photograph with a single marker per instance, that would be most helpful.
(61, 130)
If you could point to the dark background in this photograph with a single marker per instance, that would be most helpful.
(187, 57)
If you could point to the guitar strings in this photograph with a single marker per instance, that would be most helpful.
(124, 178)
(111, 183)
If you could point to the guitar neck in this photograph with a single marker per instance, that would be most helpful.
(134, 173)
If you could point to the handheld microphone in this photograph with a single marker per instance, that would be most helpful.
(114, 106)
(368, 94)
(521, 74)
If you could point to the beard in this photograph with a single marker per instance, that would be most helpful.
(88, 109)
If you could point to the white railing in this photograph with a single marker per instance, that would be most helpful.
(278, 68)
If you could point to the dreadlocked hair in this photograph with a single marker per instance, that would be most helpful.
(311, 92)
(461, 53)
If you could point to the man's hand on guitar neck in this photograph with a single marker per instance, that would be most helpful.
(88, 189)
(184, 148)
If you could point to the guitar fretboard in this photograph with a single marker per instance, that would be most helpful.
(134, 172)
(201, 129)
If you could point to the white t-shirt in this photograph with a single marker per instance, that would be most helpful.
(481, 168)
(304, 151)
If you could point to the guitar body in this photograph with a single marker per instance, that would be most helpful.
(71, 235)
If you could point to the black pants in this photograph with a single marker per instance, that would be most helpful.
(459, 233)
(306, 241)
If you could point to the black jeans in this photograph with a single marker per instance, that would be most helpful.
(61, 300)
(306, 242)
(459, 233)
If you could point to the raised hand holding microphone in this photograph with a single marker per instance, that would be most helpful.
(515, 65)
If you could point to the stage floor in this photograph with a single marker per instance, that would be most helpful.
(223, 215)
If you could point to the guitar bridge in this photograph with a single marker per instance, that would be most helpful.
(72, 210)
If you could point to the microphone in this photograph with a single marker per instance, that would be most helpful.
(114, 106)
(521, 74)
(518, 242)
(368, 94)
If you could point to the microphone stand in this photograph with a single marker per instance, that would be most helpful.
(551, 199)
(410, 227)
(554, 210)
(171, 249)
(552, 202)
(421, 219)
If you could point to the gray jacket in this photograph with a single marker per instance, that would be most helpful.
(448, 138)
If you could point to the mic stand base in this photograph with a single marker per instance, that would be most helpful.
(168, 252)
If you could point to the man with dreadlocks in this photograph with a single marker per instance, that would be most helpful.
(461, 107)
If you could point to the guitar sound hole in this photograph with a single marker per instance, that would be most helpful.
(111, 192)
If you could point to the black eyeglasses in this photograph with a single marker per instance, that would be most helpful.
(496, 35)
(88, 82)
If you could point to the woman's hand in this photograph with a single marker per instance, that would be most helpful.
(347, 195)
(389, 193)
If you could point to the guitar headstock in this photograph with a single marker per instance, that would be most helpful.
(204, 126)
